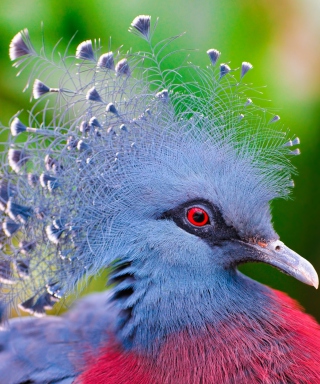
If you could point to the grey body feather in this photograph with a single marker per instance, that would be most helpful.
(50, 349)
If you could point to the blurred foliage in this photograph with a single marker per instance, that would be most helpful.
(281, 40)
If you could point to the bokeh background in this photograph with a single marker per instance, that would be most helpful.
(280, 38)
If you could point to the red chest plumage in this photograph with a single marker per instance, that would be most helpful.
(237, 352)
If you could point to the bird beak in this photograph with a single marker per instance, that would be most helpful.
(278, 255)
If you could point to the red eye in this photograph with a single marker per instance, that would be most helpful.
(197, 216)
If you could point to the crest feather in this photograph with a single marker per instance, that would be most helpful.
(86, 157)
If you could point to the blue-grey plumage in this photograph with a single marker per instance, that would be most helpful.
(49, 349)
(107, 175)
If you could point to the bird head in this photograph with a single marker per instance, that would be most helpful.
(167, 182)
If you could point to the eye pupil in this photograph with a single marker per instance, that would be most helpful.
(197, 216)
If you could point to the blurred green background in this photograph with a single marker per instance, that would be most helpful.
(280, 38)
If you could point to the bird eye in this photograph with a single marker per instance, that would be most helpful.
(197, 216)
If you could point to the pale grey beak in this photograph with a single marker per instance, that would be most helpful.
(280, 256)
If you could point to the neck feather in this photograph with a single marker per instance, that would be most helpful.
(150, 311)
(236, 347)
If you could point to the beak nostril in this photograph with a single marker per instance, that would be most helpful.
(277, 248)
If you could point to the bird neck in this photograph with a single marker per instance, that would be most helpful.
(239, 347)
(151, 310)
